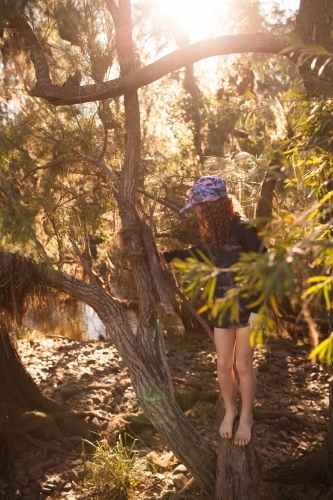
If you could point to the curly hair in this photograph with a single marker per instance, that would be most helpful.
(215, 219)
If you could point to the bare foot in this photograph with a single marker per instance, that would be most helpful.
(243, 434)
(228, 423)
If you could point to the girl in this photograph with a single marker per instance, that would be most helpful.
(224, 234)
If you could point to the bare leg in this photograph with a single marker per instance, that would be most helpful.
(225, 340)
(247, 383)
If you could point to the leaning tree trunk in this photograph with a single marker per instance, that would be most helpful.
(144, 356)
(143, 353)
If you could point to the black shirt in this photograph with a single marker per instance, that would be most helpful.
(243, 238)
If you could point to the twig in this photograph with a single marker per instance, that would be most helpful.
(42, 444)
(84, 261)
(299, 321)
(103, 167)
(54, 163)
(152, 485)
(187, 486)
(160, 200)
(151, 214)
(105, 141)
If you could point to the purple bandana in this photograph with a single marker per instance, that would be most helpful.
(208, 188)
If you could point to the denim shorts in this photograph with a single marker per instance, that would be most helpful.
(245, 320)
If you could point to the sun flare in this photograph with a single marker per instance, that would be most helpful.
(204, 18)
(198, 18)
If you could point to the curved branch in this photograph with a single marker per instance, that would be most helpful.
(215, 46)
(162, 201)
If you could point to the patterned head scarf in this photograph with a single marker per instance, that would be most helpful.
(208, 188)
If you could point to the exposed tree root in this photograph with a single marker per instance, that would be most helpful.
(259, 414)
(312, 468)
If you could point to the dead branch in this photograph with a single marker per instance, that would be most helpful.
(42, 444)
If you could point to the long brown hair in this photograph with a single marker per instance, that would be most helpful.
(215, 219)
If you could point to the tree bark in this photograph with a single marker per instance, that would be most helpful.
(144, 355)
(237, 470)
(143, 352)
(314, 28)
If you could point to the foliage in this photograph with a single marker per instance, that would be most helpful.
(228, 120)
(113, 471)
(299, 262)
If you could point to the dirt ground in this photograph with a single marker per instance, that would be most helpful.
(91, 376)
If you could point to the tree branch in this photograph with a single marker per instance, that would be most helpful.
(162, 201)
(32, 43)
(114, 11)
(215, 46)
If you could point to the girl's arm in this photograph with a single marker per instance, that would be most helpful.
(181, 254)
(249, 239)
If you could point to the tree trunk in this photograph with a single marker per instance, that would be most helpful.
(144, 356)
(237, 471)
(314, 27)
(144, 353)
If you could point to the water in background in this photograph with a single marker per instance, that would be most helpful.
(79, 323)
(82, 323)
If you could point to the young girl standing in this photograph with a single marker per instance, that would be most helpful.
(224, 235)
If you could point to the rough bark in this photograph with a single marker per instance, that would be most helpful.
(144, 356)
(314, 28)
(237, 470)
(143, 353)
(215, 46)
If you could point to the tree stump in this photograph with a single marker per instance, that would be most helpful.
(237, 469)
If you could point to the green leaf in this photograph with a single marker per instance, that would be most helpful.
(324, 350)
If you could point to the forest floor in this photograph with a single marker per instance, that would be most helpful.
(91, 376)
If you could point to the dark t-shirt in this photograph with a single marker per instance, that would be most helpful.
(243, 238)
